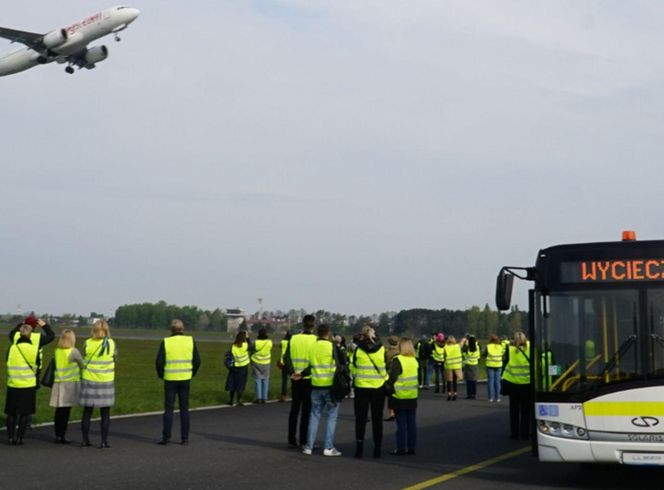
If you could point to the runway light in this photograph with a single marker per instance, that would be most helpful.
(628, 236)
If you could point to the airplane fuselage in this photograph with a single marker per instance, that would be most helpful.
(78, 35)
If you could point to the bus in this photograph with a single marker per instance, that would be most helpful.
(596, 326)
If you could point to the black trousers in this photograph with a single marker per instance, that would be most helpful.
(301, 394)
(61, 420)
(438, 368)
(284, 381)
(365, 398)
(520, 414)
(105, 413)
(181, 389)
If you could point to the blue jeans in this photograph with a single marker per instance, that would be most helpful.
(261, 388)
(493, 383)
(406, 430)
(321, 400)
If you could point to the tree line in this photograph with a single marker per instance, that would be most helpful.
(159, 315)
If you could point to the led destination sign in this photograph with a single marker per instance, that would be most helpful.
(600, 271)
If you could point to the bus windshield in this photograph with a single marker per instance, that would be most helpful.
(588, 339)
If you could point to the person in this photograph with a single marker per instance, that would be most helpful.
(403, 377)
(23, 361)
(471, 365)
(369, 375)
(322, 366)
(296, 360)
(66, 383)
(177, 363)
(284, 372)
(236, 381)
(261, 361)
(438, 358)
(424, 351)
(453, 363)
(391, 351)
(98, 380)
(342, 350)
(494, 352)
(516, 383)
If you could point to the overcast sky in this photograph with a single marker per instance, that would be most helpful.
(354, 156)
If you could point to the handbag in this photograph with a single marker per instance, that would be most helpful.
(229, 360)
(48, 378)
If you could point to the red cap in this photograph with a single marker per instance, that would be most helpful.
(31, 320)
(629, 236)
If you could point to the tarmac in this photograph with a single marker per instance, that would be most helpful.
(462, 444)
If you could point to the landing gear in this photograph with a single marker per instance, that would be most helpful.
(69, 70)
(117, 38)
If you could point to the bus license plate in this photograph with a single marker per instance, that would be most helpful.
(654, 459)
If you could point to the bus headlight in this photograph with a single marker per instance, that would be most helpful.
(561, 430)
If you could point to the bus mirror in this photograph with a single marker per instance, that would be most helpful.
(504, 285)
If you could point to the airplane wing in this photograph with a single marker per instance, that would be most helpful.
(30, 39)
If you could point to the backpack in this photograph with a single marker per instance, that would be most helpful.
(341, 381)
(229, 361)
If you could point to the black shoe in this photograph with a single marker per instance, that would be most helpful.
(453, 398)
(184, 442)
(410, 452)
(18, 442)
(163, 442)
(359, 449)
(62, 440)
(376, 453)
(396, 452)
(85, 443)
(514, 438)
(449, 397)
(104, 445)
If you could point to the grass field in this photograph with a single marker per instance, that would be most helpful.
(137, 387)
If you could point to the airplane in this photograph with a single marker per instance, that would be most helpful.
(67, 45)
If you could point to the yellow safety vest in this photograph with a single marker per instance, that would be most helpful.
(99, 361)
(438, 352)
(179, 365)
(472, 358)
(240, 354)
(263, 354)
(284, 346)
(22, 374)
(494, 355)
(453, 357)
(65, 371)
(517, 370)
(364, 372)
(321, 361)
(405, 387)
(300, 347)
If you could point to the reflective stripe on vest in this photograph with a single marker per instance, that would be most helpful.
(300, 348)
(438, 353)
(405, 387)
(452, 356)
(99, 362)
(517, 370)
(364, 372)
(21, 374)
(65, 371)
(263, 354)
(179, 365)
(472, 358)
(322, 364)
(240, 354)
(494, 355)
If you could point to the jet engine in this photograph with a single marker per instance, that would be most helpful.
(96, 54)
(55, 38)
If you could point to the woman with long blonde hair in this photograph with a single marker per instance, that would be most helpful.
(403, 378)
(65, 390)
(98, 380)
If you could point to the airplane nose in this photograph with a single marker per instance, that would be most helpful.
(134, 14)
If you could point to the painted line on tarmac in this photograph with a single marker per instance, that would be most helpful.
(468, 469)
(147, 414)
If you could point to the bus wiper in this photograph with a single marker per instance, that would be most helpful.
(611, 363)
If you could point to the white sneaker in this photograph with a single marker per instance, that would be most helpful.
(306, 451)
(331, 452)
(498, 400)
(490, 400)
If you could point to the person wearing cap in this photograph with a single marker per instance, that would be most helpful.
(438, 356)
(177, 363)
(66, 383)
(23, 361)
(98, 380)
(369, 375)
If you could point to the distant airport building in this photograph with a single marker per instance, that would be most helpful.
(235, 317)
